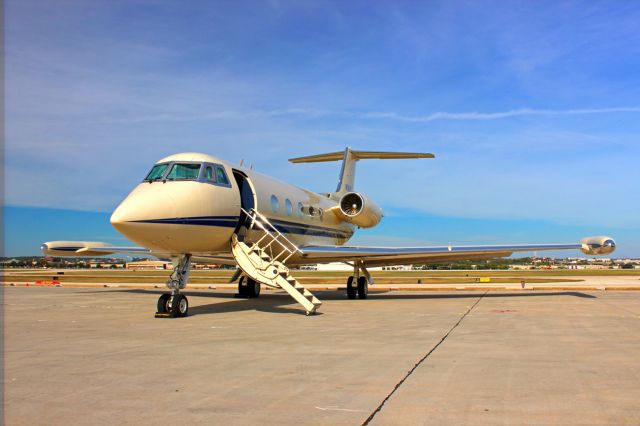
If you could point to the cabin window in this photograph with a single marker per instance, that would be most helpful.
(300, 210)
(209, 175)
(288, 207)
(184, 171)
(156, 172)
(275, 204)
(221, 175)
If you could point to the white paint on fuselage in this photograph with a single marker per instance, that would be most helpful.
(185, 216)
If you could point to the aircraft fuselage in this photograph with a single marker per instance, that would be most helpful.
(200, 213)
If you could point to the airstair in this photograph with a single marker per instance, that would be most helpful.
(264, 260)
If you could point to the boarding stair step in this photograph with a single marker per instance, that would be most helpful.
(256, 263)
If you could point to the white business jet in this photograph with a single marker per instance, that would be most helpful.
(197, 207)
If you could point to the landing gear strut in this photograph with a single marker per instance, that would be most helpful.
(248, 287)
(174, 304)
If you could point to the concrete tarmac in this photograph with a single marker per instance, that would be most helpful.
(97, 356)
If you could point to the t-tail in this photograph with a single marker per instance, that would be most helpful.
(349, 159)
(356, 207)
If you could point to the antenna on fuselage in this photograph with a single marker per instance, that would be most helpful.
(349, 159)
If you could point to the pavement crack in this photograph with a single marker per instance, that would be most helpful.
(420, 361)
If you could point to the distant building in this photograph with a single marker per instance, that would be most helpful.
(340, 266)
(149, 265)
(205, 266)
(98, 265)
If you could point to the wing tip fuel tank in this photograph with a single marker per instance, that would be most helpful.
(599, 245)
(73, 248)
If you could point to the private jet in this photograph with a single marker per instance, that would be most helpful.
(196, 207)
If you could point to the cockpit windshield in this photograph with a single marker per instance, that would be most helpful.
(184, 171)
(157, 172)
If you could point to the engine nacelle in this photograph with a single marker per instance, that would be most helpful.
(598, 245)
(360, 210)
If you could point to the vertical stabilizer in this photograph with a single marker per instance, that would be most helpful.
(347, 173)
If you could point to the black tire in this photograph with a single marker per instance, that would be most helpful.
(179, 306)
(243, 290)
(351, 290)
(163, 303)
(363, 288)
(253, 288)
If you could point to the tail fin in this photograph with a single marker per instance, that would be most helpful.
(349, 159)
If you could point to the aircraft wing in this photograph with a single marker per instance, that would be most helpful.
(372, 256)
(381, 256)
(97, 248)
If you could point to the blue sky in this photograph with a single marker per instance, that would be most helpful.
(532, 110)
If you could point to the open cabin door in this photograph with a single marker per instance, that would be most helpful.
(247, 201)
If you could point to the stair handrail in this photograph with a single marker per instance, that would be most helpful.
(254, 214)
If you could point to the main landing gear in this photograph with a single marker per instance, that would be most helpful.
(248, 287)
(174, 304)
(358, 285)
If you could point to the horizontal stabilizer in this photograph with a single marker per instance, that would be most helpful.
(360, 155)
(349, 159)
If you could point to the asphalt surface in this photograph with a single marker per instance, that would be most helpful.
(98, 356)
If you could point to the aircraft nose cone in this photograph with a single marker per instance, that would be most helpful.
(145, 204)
(119, 216)
(123, 217)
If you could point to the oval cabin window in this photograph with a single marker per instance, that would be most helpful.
(275, 204)
(288, 207)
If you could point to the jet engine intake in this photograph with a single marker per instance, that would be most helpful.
(598, 245)
(360, 210)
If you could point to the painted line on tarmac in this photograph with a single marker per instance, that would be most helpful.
(338, 409)
(410, 372)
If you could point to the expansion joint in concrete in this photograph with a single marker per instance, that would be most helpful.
(410, 372)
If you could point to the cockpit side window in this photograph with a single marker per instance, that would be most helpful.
(157, 172)
(221, 175)
(209, 176)
(184, 171)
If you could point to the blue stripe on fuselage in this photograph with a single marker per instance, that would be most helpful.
(285, 227)
(224, 221)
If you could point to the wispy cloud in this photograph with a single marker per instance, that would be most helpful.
(388, 115)
(497, 115)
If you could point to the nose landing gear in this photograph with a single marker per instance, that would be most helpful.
(175, 304)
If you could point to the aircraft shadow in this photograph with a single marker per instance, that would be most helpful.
(282, 303)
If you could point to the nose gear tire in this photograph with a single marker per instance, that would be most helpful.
(179, 306)
(163, 303)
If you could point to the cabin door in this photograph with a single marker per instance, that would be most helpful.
(247, 201)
